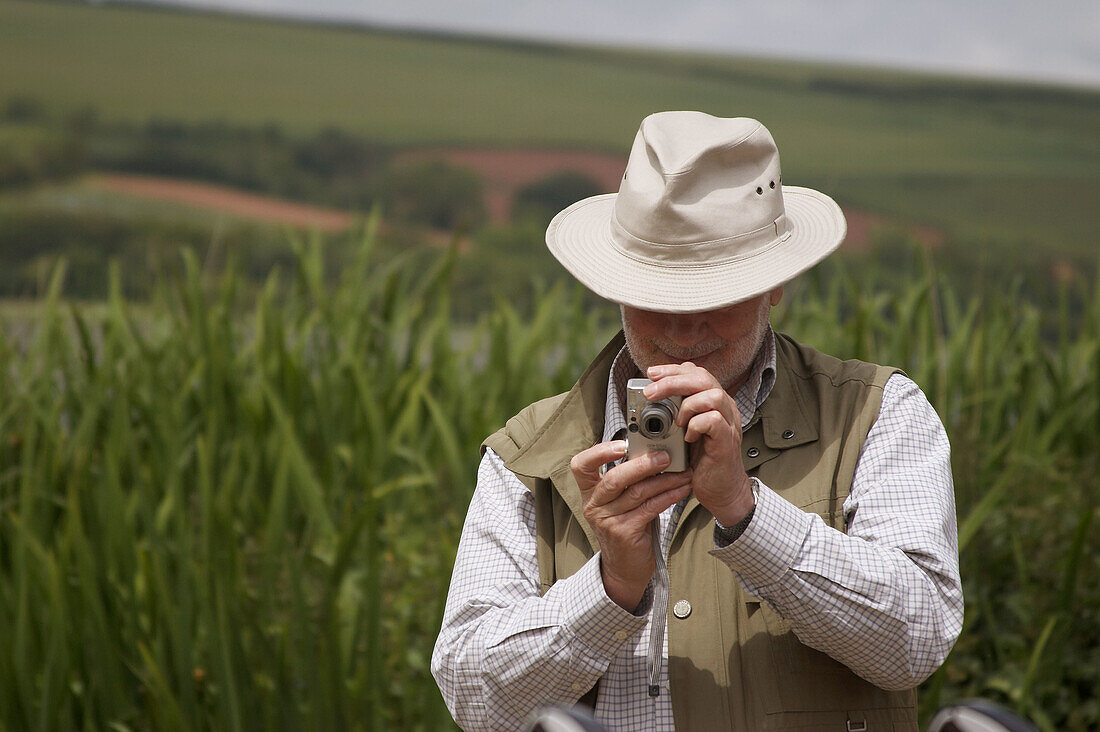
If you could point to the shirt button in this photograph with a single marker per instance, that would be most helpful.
(621, 634)
(788, 434)
(577, 686)
(681, 609)
(753, 452)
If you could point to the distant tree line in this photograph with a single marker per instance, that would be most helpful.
(331, 168)
(33, 240)
(31, 153)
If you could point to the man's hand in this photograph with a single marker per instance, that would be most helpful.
(710, 415)
(619, 506)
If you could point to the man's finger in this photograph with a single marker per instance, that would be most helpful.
(681, 384)
(586, 463)
(638, 493)
(711, 400)
(654, 506)
(666, 369)
(626, 474)
(710, 424)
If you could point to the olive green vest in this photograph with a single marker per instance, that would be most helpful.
(733, 663)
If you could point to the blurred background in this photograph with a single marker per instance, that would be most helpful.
(270, 271)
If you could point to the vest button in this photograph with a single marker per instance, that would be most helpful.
(753, 452)
(788, 434)
(681, 609)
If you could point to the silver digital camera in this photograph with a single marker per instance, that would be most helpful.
(651, 426)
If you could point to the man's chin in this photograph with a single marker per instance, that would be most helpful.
(728, 369)
(700, 360)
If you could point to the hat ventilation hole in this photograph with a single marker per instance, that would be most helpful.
(772, 184)
(759, 191)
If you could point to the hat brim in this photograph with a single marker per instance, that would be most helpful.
(580, 238)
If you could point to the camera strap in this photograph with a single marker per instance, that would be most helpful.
(659, 609)
(658, 612)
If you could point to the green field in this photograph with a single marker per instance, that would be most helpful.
(986, 161)
(227, 512)
(232, 481)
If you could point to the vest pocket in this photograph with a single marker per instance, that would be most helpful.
(807, 680)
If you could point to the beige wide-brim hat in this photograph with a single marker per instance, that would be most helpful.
(701, 220)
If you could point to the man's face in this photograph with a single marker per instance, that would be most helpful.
(724, 342)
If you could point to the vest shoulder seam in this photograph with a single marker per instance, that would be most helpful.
(833, 381)
(521, 427)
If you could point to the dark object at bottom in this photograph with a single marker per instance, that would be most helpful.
(563, 719)
(972, 715)
(978, 715)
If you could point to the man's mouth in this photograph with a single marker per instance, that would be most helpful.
(695, 354)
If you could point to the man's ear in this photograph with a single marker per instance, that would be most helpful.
(776, 295)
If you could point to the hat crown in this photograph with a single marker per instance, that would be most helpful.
(700, 221)
(692, 178)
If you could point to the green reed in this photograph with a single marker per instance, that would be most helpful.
(238, 509)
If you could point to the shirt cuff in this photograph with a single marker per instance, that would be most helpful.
(726, 535)
(596, 620)
(770, 544)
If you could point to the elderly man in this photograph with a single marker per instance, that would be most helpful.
(801, 573)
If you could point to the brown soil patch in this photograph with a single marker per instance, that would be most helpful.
(1064, 272)
(504, 172)
(226, 200)
(862, 226)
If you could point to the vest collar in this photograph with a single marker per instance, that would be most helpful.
(786, 419)
(575, 425)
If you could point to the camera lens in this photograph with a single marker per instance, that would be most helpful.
(656, 418)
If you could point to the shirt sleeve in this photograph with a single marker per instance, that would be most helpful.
(503, 650)
(884, 598)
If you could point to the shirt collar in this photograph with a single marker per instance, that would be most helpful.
(748, 398)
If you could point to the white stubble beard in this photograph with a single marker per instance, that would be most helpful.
(730, 368)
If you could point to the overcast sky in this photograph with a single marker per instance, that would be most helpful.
(1045, 39)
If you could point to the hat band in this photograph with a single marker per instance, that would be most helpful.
(694, 254)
